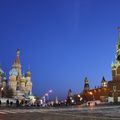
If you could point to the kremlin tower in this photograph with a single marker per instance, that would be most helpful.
(116, 66)
(19, 83)
(114, 85)
(103, 82)
(86, 85)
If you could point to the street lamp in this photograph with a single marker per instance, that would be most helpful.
(47, 94)
(78, 95)
(91, 93)
(50, 91)
(2, 92)
(2, 89)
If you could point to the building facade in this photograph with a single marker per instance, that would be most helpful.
(114, 85)
(98, 93)
(108, 90)
(20, 84)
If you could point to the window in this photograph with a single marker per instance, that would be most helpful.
(114, 88)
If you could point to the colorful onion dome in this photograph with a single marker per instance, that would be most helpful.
(28, 73)
(1, 71)
(23, 79)
(13, 72)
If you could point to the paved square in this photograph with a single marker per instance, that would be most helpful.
(76, 113)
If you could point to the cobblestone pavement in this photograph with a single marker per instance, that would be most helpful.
(76, 113)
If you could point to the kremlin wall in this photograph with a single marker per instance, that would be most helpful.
(109, 91)
(20, 84)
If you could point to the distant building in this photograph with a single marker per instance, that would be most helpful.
(69, 97)
(98, 93)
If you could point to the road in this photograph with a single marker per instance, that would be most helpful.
(73, 113)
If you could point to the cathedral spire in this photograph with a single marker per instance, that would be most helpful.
(17, 64)
(17, 60)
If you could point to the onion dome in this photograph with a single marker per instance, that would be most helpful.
(13, 72)
(28, 73)
(113, 65)
(4, 78)
(23, 79)
(1, 71)
(28, 84)
(18, 51)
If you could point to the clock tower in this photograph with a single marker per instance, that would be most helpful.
(114, 85)
(116, 66)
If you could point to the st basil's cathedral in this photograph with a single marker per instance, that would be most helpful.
(20, 84)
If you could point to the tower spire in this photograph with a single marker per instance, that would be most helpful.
(17, 64)
(86, 84)
(118, 47)
(118, 35)
(17, 60)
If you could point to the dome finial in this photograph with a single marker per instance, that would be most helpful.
(28, 73)
(18, 51)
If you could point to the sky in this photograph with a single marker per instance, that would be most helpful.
(62, 41)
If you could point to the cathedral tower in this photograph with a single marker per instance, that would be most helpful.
(20, 84)
(17, 64)
(28, 83)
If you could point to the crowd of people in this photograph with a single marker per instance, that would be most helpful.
(15, 103)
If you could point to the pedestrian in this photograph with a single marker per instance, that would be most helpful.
(0, 102)
(17, 103)
(11, 103)
(7, 102)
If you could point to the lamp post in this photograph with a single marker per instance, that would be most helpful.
(47, 95)
(49, 92)
(78, 95)
(2, 92)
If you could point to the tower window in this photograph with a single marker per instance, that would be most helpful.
(114, 88)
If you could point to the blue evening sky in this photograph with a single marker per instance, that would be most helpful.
(62, 41)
